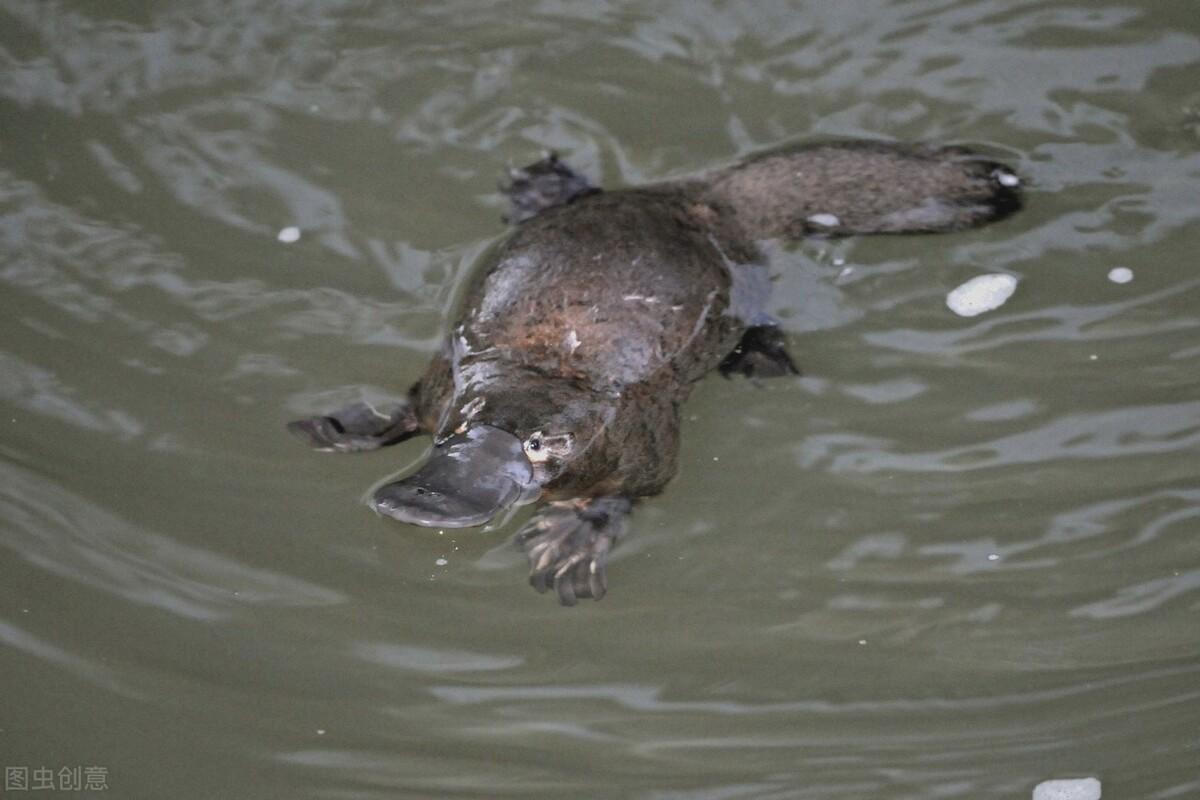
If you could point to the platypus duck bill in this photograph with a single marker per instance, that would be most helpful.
(468, 479)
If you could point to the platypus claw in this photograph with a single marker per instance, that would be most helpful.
(568, 546)
(357, 427)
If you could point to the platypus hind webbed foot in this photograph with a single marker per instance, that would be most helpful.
(568, 545)
(541, 185)
(357, 427)
(762, 353)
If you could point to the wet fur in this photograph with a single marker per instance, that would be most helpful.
(870, 187)
(602, 309)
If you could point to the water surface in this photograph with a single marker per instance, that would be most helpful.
(955, 558)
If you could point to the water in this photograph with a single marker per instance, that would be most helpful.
(955, 559)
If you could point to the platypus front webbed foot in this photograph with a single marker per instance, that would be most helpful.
(357, 427)
(762, 353)
(568, 545)
(544, 184)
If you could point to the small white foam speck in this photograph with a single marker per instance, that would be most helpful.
(1005, 178)
(825, 220)
(441, 562)
(1068, 789)
(838, 261)
(993, 556)
(1120, 274)
(320, 731)
(981, 293)
(862, 641)
(1093, 357)
(289, 234)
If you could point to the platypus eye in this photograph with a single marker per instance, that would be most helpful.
(541, 446)
(534, 445)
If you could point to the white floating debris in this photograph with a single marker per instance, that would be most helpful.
(441, 562)
(993, 556)
(825, 220)
(980, 294)
(320, 731)
(1071, 789)
(1006, 178)
(289, 234)
(1120, 274)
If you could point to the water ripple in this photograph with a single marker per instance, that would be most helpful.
(68, 536)
(1123, 433)
(97, 674)
(1058, 323)
(650, 698)
(432, 660)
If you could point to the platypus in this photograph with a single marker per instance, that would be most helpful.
(581, 334)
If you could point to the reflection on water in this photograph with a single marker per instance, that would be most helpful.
(424, 659)
(1132, 431)
(1126, 319)
(66, 535)
(47, 653)
(954, 559)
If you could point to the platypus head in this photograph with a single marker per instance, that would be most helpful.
(504, 447)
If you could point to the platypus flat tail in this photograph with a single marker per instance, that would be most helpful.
(857, 187)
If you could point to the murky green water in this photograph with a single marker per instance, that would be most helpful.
(958, 557)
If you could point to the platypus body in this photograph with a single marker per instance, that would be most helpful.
(583, 333)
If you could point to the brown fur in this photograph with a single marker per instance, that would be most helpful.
(593, 321)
